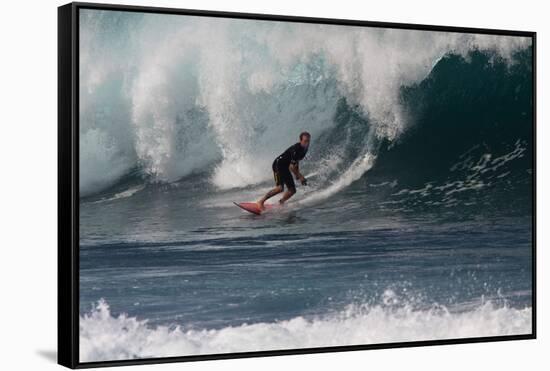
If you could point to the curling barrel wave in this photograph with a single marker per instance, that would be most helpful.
(222, 97)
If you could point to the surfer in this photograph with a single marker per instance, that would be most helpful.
(283, 166)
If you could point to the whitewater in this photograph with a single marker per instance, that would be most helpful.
(103, 336)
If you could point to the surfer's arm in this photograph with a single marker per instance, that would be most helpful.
(295, 169)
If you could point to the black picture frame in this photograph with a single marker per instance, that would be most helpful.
(68, 183)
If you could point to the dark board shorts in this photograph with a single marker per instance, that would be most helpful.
(283, 176)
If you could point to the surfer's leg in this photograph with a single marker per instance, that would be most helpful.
(288, 180)
(275, 191)
(289, 193)
(279, 185)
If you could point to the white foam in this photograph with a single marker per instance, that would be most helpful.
(355, 171)
(106, 337)
(124, 194)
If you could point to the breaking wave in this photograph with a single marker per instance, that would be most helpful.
(104, 336)
(171, 95)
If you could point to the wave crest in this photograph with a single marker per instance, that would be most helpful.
(177, 94)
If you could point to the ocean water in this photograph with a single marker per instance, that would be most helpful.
(416, 223)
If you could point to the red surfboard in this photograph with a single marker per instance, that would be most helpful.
(253, 207)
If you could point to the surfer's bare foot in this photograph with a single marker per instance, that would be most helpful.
(260, 205)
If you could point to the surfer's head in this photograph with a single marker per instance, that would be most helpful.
(304, 139)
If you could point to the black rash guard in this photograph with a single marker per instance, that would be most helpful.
(282, 163)
(292, 155)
